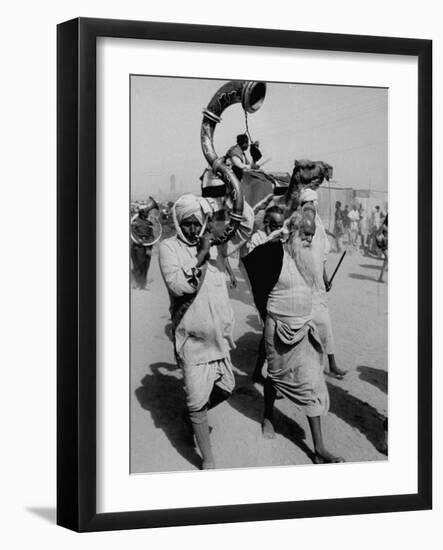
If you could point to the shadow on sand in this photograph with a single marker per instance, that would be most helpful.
(253, 320)
(362, 277)
(248, 400)
(371, 266)
(376, 377)
(358, 414)
(163, 395)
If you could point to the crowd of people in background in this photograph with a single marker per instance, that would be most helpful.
(357, 228)
(283, 259)
(362, 231)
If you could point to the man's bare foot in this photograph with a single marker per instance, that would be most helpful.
(208, 465)
(325, 457)
(337, 372)
(268, 429)
(334, 370)
(383, 446)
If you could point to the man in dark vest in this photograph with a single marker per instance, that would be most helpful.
(237, 154)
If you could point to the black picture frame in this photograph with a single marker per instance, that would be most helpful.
(76, 265)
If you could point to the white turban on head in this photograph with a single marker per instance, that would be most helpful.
(190, 205)
(308, 195)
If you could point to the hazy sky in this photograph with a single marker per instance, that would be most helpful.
(344, 126)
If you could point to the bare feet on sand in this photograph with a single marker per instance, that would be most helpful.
(325, 457)
(337, 372)
(334, 369)
(268, 429)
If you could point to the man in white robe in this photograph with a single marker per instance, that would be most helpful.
(202, 317)
(293, 348)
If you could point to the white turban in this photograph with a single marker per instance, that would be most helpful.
(190, 205)
(308, 195)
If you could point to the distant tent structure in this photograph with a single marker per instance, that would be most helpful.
(331, 192)
(370, 198)
(328, 194)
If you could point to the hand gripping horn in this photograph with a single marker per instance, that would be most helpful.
(251, 95)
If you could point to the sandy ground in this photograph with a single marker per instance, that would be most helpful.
(160, 439)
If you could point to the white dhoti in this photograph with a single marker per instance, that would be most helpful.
(322, 321)
(320, 310)
(200, 380)
(296, 368)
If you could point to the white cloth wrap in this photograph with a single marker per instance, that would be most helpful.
(190, 205)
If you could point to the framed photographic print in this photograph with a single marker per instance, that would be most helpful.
(231, 296)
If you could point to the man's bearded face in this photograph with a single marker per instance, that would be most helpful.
(301, 232)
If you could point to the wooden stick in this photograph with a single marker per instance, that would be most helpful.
(336, 268)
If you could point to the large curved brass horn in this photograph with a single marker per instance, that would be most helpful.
(251, 95)
(152, 233)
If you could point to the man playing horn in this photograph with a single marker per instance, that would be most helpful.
(142, 233)
(293, 348)
(202, 317)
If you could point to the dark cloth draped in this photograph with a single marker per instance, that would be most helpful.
(264, 265)
(255, 153)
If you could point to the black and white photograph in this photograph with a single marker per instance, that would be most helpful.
(217, 338)
(258, 216)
